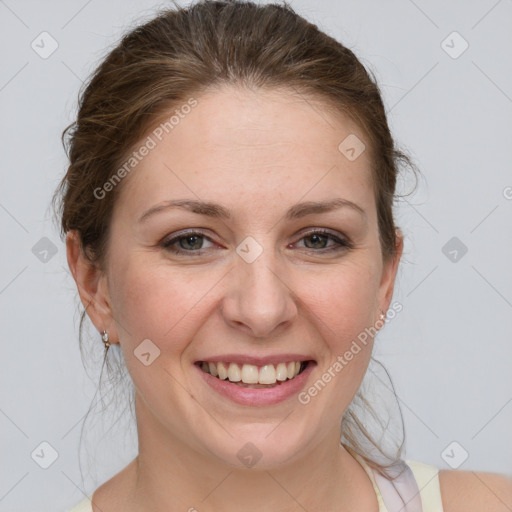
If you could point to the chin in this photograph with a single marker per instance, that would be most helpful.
(261, 446)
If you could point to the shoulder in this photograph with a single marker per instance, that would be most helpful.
(470, 491)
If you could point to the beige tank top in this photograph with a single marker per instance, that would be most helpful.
(418, 484)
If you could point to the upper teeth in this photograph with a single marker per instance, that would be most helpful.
(251, 374)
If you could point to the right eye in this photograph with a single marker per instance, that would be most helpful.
(190, 243)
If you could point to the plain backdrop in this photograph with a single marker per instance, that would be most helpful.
(449, 352)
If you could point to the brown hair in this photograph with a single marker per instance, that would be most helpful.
(181, 52)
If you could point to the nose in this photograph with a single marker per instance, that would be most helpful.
(258, 298)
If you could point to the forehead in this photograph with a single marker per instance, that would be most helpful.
(237, 145)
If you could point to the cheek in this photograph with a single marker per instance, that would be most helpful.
(341, 307)
(159, 302)
(341, 300)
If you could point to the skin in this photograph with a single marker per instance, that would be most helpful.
(257, 153)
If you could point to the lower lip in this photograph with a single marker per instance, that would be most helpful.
(258, 396)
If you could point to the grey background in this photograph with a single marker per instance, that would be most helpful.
(449, 352)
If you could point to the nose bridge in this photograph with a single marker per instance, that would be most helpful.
(259, 298)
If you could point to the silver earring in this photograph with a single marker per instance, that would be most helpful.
(382, 315)
(104, 337)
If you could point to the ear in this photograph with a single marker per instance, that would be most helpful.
(92, 287)
(389, 271)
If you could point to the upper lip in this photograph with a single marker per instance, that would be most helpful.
(257, 361)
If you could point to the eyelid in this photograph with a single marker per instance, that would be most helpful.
(324, 231)
(166, 242)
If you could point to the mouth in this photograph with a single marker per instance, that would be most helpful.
(253, 376)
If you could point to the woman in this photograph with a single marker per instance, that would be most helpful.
(229, 225)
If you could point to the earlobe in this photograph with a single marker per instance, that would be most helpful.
(90, 283)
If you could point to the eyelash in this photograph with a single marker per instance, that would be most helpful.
(342, 244)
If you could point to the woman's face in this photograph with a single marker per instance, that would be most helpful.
(257, 286)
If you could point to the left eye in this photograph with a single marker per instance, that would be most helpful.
(321, 238)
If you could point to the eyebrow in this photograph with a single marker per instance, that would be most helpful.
(220, 212)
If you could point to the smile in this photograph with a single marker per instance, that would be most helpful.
(250, 375)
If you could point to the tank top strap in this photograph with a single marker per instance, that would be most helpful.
(427, 478)
(401, 495)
